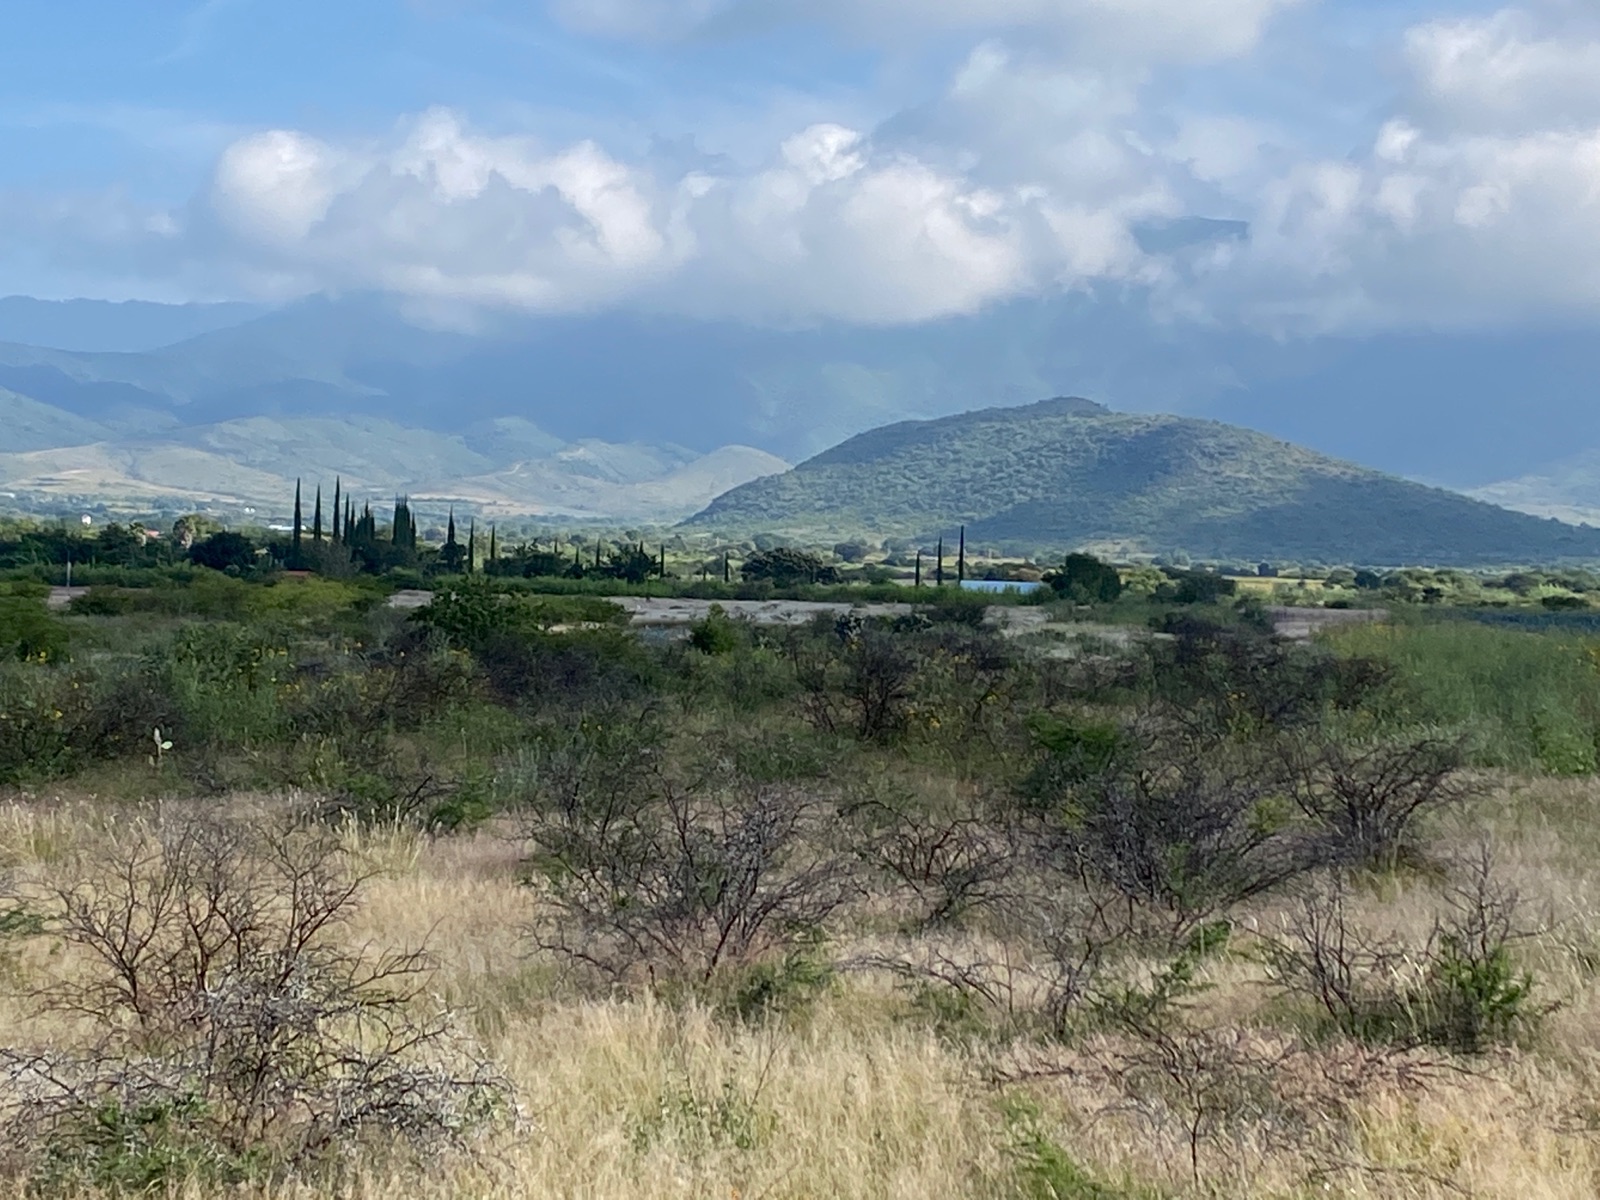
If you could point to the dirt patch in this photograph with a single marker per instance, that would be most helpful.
(1302, 624)
(653, 611)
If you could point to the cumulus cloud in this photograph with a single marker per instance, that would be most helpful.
(1517, 70)
(1477, 204)
(1474, 200)
(837, 224)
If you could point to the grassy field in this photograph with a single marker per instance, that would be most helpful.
(893, 909)
(864, 1094)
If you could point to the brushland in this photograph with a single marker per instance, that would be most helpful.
(303, 895)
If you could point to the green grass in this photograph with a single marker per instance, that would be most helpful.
(1526, 700)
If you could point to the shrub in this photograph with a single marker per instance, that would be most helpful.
(1370, 796)
(716, 634)
(234, 1029)
(224, 551)
(785, 567)
(1461, 990)
(1194, 587)
(1084, 579)
(1184, 824)
(676, 885)
(28, 631)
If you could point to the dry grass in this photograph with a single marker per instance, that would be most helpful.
(860, 1097)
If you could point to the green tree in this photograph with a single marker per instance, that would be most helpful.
(788, 567)
(1084, 579)
(453, 553)
(224, 551)
(296, 545)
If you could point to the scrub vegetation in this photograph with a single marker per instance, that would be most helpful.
(302, 893)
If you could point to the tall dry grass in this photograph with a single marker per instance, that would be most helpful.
(861, 1095)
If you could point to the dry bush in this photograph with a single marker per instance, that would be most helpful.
(224, 1027)
(1370, 797)
(1171, 819)
(943, 866)
(677, 884)
(1460, 989)
(860, 680)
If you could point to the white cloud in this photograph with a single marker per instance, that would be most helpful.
(1457, 230)
(833, 226)
(1518, 70)
(1474, 200)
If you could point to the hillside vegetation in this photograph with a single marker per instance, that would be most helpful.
(1065, 473)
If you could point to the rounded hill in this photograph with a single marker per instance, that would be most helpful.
(1069, 472)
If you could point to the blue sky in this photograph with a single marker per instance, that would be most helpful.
(1409, 163)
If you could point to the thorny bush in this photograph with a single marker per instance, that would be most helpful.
(226, 1025)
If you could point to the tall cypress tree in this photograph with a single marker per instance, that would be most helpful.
(919, 569)
(494, 551)
(338, 513)
(938, 571)
(472, 546)
(295, 547)
(727, 568)
(961, 561)
(451, 554)
(316, 518)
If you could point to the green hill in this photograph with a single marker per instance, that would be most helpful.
(1069, 473)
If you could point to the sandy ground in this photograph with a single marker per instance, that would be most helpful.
(657, 612)
(1301, 624)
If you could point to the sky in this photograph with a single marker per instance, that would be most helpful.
(1288, 166)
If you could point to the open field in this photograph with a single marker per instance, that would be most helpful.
(864, 1092)
(1111, 901)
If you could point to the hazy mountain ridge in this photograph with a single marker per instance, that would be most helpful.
(1065, 473)
(253, 461)
(513, 389)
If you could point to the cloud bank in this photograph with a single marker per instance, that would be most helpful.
(1063, 132)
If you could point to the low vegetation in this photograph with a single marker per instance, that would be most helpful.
(304, 894)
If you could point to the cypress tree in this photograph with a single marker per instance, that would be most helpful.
(295, 548)
(316, 519)
(919, 569)
(727, 568)
(961, 561)
(472, 546)
(663, 562)
(493, 549)
(338, 514)
(938, 571)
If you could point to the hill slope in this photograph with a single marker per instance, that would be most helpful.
(1066, 473)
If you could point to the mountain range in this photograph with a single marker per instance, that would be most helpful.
(647, 416)
(1068, 473)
